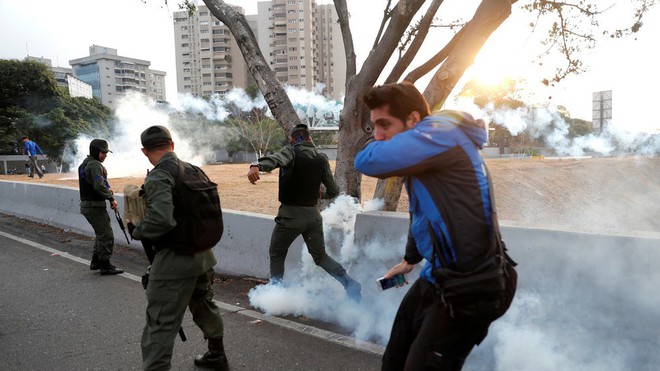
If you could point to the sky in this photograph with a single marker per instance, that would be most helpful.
(63, 30)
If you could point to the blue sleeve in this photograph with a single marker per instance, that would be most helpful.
(411, 151)
(37, 147)
(26, 151)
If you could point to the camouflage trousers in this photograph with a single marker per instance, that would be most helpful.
(100, 220)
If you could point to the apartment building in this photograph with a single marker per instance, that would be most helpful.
(112, 76)
(208, 60)
(330, 54)
(301, 42)
(65, 79)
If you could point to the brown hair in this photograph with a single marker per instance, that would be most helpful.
(401, 98)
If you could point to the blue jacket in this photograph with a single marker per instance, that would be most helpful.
(31, 148)
(447, 187)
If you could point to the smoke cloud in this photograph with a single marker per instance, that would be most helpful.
(195, 139)
(618, 137)
(587, 305)
(313, 293)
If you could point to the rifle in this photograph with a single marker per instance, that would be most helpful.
(148, 247)
(121, 225)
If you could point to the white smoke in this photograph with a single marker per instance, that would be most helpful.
(617, 138)
(313, 293)
(194, 141)
(136, 112)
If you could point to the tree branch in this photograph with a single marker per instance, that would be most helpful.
(401, 16)
(347, 38)
(422, 32)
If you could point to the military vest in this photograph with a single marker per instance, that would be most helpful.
(87, 192)
(300, 181)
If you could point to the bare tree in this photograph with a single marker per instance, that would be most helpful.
(565, 35)
(256, 128)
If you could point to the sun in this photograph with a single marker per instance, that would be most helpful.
(490, 73)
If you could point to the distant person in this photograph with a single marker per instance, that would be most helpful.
(450, 207)
(27, 168)
(30, 150)
(302, 171)
(94, 191)
(43, 169)
(181, 274)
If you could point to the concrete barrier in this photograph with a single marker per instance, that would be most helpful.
(584, 299)
(243, 250)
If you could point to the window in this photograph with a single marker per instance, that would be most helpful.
(204, 23)
(203, 31)
(184, 45)
(203, 13)
(184, 37)
(184, 27)
(204, 40)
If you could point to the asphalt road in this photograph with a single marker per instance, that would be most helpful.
(56, 314)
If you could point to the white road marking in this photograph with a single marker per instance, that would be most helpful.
(344, 340)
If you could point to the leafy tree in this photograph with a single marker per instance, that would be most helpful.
(32, 104)
(572, 26)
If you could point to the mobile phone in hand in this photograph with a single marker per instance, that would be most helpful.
(387, 283)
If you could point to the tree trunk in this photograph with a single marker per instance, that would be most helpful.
(274, 94)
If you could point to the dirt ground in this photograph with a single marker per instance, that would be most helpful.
(596, 194)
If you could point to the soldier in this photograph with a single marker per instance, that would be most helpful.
(94, 190)
(302, 171)
(179, 277)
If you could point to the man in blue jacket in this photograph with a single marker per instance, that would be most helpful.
(31, 149)
(450, 202)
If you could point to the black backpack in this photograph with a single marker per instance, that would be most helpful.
(197, 210)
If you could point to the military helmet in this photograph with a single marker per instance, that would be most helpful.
(100, 145)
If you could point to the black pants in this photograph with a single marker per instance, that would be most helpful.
(425, 337)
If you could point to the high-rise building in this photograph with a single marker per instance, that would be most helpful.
(65, 79)
(112, 76)
(301, 42)
(330, 54)
(208, 60)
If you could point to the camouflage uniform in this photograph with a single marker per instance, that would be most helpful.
(176, 281)
(93, 196)
(302, 172)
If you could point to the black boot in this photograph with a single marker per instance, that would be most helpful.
(352, 287)
(94, 265)
(107, 268)
(215, 358)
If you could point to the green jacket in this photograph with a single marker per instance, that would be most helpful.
(284, 158)
(159, 219)
(93, 173)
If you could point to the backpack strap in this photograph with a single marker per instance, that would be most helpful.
(175, 171)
